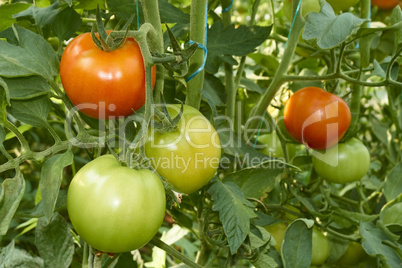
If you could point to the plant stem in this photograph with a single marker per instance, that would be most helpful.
(197, 34)
(172, 252)
(151, 15)
(24, 143)
(281, 71)
(85, 256)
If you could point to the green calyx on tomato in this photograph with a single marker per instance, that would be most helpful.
(342, 5)
(316, 118)
(187, 157)
(307, 7)
(104, 84)
(115, 208)
(345, 163)
(320, 248)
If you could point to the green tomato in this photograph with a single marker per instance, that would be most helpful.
(277, 231)
(307, 7)
(272, 146)
(353, 255)
(341, 5)
(343, 163)
(115, 208)
(320, 250)
(189, 156)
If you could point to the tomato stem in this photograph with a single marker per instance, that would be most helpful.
(197, 34)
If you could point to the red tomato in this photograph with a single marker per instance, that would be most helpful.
(103, 84)
(385, 4)
(316, 118)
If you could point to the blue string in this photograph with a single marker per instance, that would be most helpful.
(259, 129)
(228, 8)
(138, 16)
(204, 47)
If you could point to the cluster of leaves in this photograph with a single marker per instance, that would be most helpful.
(224, 222)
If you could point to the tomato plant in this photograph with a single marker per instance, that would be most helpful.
(277, 231)
(115, 208)
(385, 4)
(347, 162)
(316, 118)
(188, 157)
(342, 5)
(100, 83)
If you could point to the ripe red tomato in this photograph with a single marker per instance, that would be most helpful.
(189, 156)
(103, 84)
(115, 208)
(316, 118)
(385, 4)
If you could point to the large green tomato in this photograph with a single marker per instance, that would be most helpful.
(353, 255)
(115, 208)
(307, 7)
(189, 156)
(344, 163)
(341, 5)
(272, 146)
(277, 231)
(320, 247)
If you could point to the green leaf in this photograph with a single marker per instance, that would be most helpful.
(256, 182)
(54, 242)
(171, 14)
(5, 95)
(235, 211)
(50, 181)
(11, 257)
(251, 86)
(33, 112)
(33, 56)
(6, 14)
(215, 89)
(123, 9)
(396, 17)
(373, 243)
(296, 247)
(355, 216)
(23, 88)
(66, 23)
(328, 30)
(92, 4)
(40, 16)
(239, 41)
(11, 191)
(268, 62)
(38, 211)
(393, 183)
(2, 139)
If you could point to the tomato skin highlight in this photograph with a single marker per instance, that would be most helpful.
(345, 163)
(385, 4)
(103, 84)
(114, 208)
(316, 118)
(189, 156)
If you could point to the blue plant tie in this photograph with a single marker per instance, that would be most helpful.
(204, 47)
(228, 8)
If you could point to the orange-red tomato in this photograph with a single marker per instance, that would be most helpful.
(103, 84)
(385, 4)
(316, 117)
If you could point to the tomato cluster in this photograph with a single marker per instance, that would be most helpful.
(104, 84)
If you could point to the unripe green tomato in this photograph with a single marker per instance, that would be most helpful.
(320, 244)
(115, 208)
(273, 147)
(307, 7)
(277, 231)
(353, 255)
(343, 163)
(341, 5)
